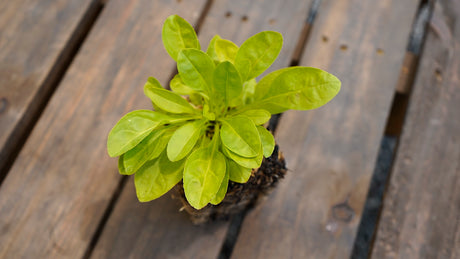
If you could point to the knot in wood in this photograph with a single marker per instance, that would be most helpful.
(343, 212)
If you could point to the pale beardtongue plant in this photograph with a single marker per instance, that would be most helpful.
(215, 134)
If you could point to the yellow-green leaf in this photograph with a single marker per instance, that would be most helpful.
(132, 129)
(238, 173)
(157, 177)
(268, 141)
(258, 116)
(211, 51)
(240, 135)
(179, 87)
(225, 50)
(220, 195)
(203, 174)
(227, 82)
(251, 162)
(196, 70)
(167, 100)
(184, 139)
(257, 53)
(149, 148)
(299, 88)
(178, 34)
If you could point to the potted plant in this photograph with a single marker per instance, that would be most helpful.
(206, 134)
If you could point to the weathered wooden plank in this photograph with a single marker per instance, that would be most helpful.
(421, 213)
(238, 20)
(59, 187)
(158, 229)
(36, 39)
(316, 210)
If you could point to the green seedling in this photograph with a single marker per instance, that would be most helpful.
(208, 129)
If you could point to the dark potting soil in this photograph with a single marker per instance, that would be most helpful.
(239, 196)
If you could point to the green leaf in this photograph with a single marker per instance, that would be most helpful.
(204, 171)
(196, 70)
(258, 116)
(238, 173)
(132, 129)
(179, 87)
(121, 166)
(177, 35)
(220, 195)
(167, 100)
(252, 162)
(257, 53)
(225, 50)
(152, 82)
(248, 91)
(208, 114)
(240, 135)
(227, 82)
(157, 177)
(268, 142)
(299, 88)
(211, 51)
(148, 149)
(261, 89)
(196, 99)
(184, 139)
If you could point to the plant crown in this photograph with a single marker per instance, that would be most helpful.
(217, 133)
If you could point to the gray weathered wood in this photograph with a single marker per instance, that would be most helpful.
(35, 38)
(331, 151)
(421, 213)
(158, 229)
(59, 187)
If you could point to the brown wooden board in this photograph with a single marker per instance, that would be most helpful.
(421, 212)
(157, 229)
(331, 151)
(35, 36)
(53, 199)
(238, 20)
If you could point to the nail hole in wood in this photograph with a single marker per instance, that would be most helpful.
(380, 51)
(3, 104)
(244, 18)
(228, 14)
(438, 74)
(343, 47)
(272, 21)
(325, 38)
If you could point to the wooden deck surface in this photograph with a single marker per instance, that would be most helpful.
(70, 69)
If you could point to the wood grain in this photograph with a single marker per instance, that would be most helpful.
(421, 213)
(238, 20)
(36, 38)
(158, 229)
(59, 187)
(331, 151)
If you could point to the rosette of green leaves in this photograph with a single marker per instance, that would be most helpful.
(208, 130)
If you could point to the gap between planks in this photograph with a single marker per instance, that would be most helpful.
(33, 112)
(244, 18)
(124, 179)
(295, 234)
(237, 221)
(389, 145)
